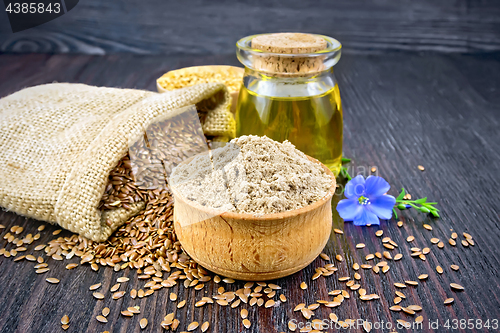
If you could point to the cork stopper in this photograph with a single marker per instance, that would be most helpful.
(289, 44)
(293, 43)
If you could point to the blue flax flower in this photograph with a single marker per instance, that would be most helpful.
(366, 201)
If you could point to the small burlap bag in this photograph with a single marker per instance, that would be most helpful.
(59, 142)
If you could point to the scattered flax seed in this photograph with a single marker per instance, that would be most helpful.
(181, 304)
(57, 232)
(274, 286)
(398, 256)
(269, 303)
(324, 256)
(465, 243)
(419, 319)
(127, 313)
(217, 279)
(115, 288)
(399, 285)
(283, 298)
(134, 309)
(400, 294)
(360, 246)
(299, 307)
(408, 311)
(404, 323)
(426, 250)
(95, 286)
(118, 294)
(303, 286)
(411, 283)
(244, 313)
(71, 266)
(194, 325)
(434, 240)
(205, 326)
(452, 242)
(98, 295)
(456, 286)
(339, 257)
(373, 169)
(455, 267)
(105, 312)
(440, 245)
(414, 307)
(448, 301)
(395, 308)
(454, 235)
(338, 231)
(143, 323)
(247, 323)
(52, 280)
(379, 233)
(421, 168)
(65, 320)
(466, 235)
(133, 293)
(439, 269)
(101, 319)
(397, 300)
(292, 326)
(410, 239)
(385, 269)
(427, 226)
(30, 257)
(42, 270)
(228, 280)
(400, 224)
(122, 279)
(173, 297)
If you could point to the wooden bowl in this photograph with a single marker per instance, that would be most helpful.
(254, 248)
(215, 68)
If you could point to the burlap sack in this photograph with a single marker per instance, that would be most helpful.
(59, 142)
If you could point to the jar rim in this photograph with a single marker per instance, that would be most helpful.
(333, 46)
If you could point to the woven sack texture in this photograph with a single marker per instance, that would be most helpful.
(59, 142)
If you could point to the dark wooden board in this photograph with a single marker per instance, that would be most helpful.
(213, 27)
(400, 110)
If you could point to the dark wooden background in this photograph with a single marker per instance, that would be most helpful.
(212, 27)
(401, 110)
(420, 84)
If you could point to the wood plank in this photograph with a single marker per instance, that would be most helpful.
(201, 27)
(400, 110)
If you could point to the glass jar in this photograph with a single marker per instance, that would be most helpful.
(289, 92)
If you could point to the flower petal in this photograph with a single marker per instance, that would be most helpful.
(355, 187)
(366, 217)
(376, 186)
(382, 206)
(349, 208)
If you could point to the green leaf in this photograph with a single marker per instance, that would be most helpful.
(346, 160)
(401, 195)
(435, 214)
(421, 201)
(395, 213)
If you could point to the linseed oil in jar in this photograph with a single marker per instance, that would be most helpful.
(289, 93)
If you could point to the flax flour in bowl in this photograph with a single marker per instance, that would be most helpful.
(252, 175)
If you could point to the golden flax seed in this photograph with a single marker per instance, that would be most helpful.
(101, 319)
(456, 286)
(143, 323)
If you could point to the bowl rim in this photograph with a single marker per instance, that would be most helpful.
(264, 217)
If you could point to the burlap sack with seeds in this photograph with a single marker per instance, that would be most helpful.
(59, 142)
